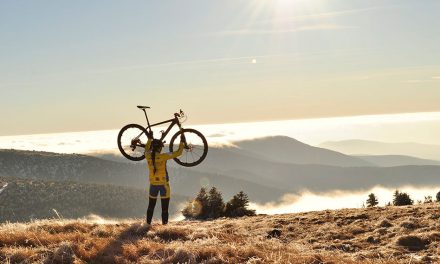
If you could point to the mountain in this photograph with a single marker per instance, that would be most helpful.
(365, 147)
(296, 177)
(396, 160)
(392, 235)
(288, 150)
(86, 169)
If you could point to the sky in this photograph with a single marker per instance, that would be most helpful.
(84, 65)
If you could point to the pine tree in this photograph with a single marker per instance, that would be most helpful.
(372, 200)
(437, 197)
(237, 206)
(401, 198)
(197, 208)
(215, 204)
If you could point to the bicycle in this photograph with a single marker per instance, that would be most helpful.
(132, 139)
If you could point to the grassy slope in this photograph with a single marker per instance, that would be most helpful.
(379, 235)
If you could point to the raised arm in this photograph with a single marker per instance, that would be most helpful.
(147, 147)
(176, 153)
(179, 151)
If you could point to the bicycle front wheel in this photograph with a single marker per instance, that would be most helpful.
(196, 147)
(131, 142)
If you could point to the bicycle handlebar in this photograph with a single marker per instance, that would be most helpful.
(180, 114)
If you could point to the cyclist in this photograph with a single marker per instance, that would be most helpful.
(159, 180)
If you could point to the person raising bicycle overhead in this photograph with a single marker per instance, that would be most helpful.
(158, 175)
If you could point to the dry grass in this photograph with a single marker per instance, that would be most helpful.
(377, 235)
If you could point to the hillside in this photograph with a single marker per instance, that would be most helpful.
(224, 168)
(49, 166)
(23, 200)
(379, 235)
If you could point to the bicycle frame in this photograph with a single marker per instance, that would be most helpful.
(174, 121)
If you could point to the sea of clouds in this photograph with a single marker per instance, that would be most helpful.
(412, 127)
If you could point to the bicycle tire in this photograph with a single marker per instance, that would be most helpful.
(121, 147)
(205, 147)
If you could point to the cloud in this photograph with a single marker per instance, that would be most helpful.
(316, 16)
(250, 31)
(416, 81)
(432, 79)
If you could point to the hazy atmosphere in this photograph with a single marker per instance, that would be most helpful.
(66, 65)
(300, 131)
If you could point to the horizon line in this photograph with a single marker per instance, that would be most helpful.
(402, 114)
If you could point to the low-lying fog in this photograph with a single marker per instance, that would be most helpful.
(307, 201)
(418, 127)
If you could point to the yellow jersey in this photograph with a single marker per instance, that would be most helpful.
(161, 175)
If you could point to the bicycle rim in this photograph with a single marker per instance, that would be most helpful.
(196, 150)
(131, 141)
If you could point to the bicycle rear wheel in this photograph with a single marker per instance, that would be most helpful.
(131, 142)
(196, 147)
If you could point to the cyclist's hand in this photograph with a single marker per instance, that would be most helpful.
(182, 137)
(150, 134)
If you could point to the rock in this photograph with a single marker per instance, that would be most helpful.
(274, 233)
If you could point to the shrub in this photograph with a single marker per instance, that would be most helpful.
(413, 243)
(428, 199)
(197, 207)
(401, 198)
(237, 206)
(211, 205)
(215, 204)
(437, 197)
(372, 200)
(205, 205)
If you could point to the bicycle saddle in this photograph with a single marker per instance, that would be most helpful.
(143, 107)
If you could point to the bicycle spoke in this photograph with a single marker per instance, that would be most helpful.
(199, 147)
(192, 156)
(196, 154)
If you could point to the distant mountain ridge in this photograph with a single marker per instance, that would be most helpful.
(397, 160)
(288, 150)
(367, 147)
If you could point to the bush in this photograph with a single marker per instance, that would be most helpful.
(205, 205)
(428, 199)
(401, 198)
(197, 207)
(413, 243)
(237, 206)
(211, 205)
(437, 197)
(216, 205)
(372, 200)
